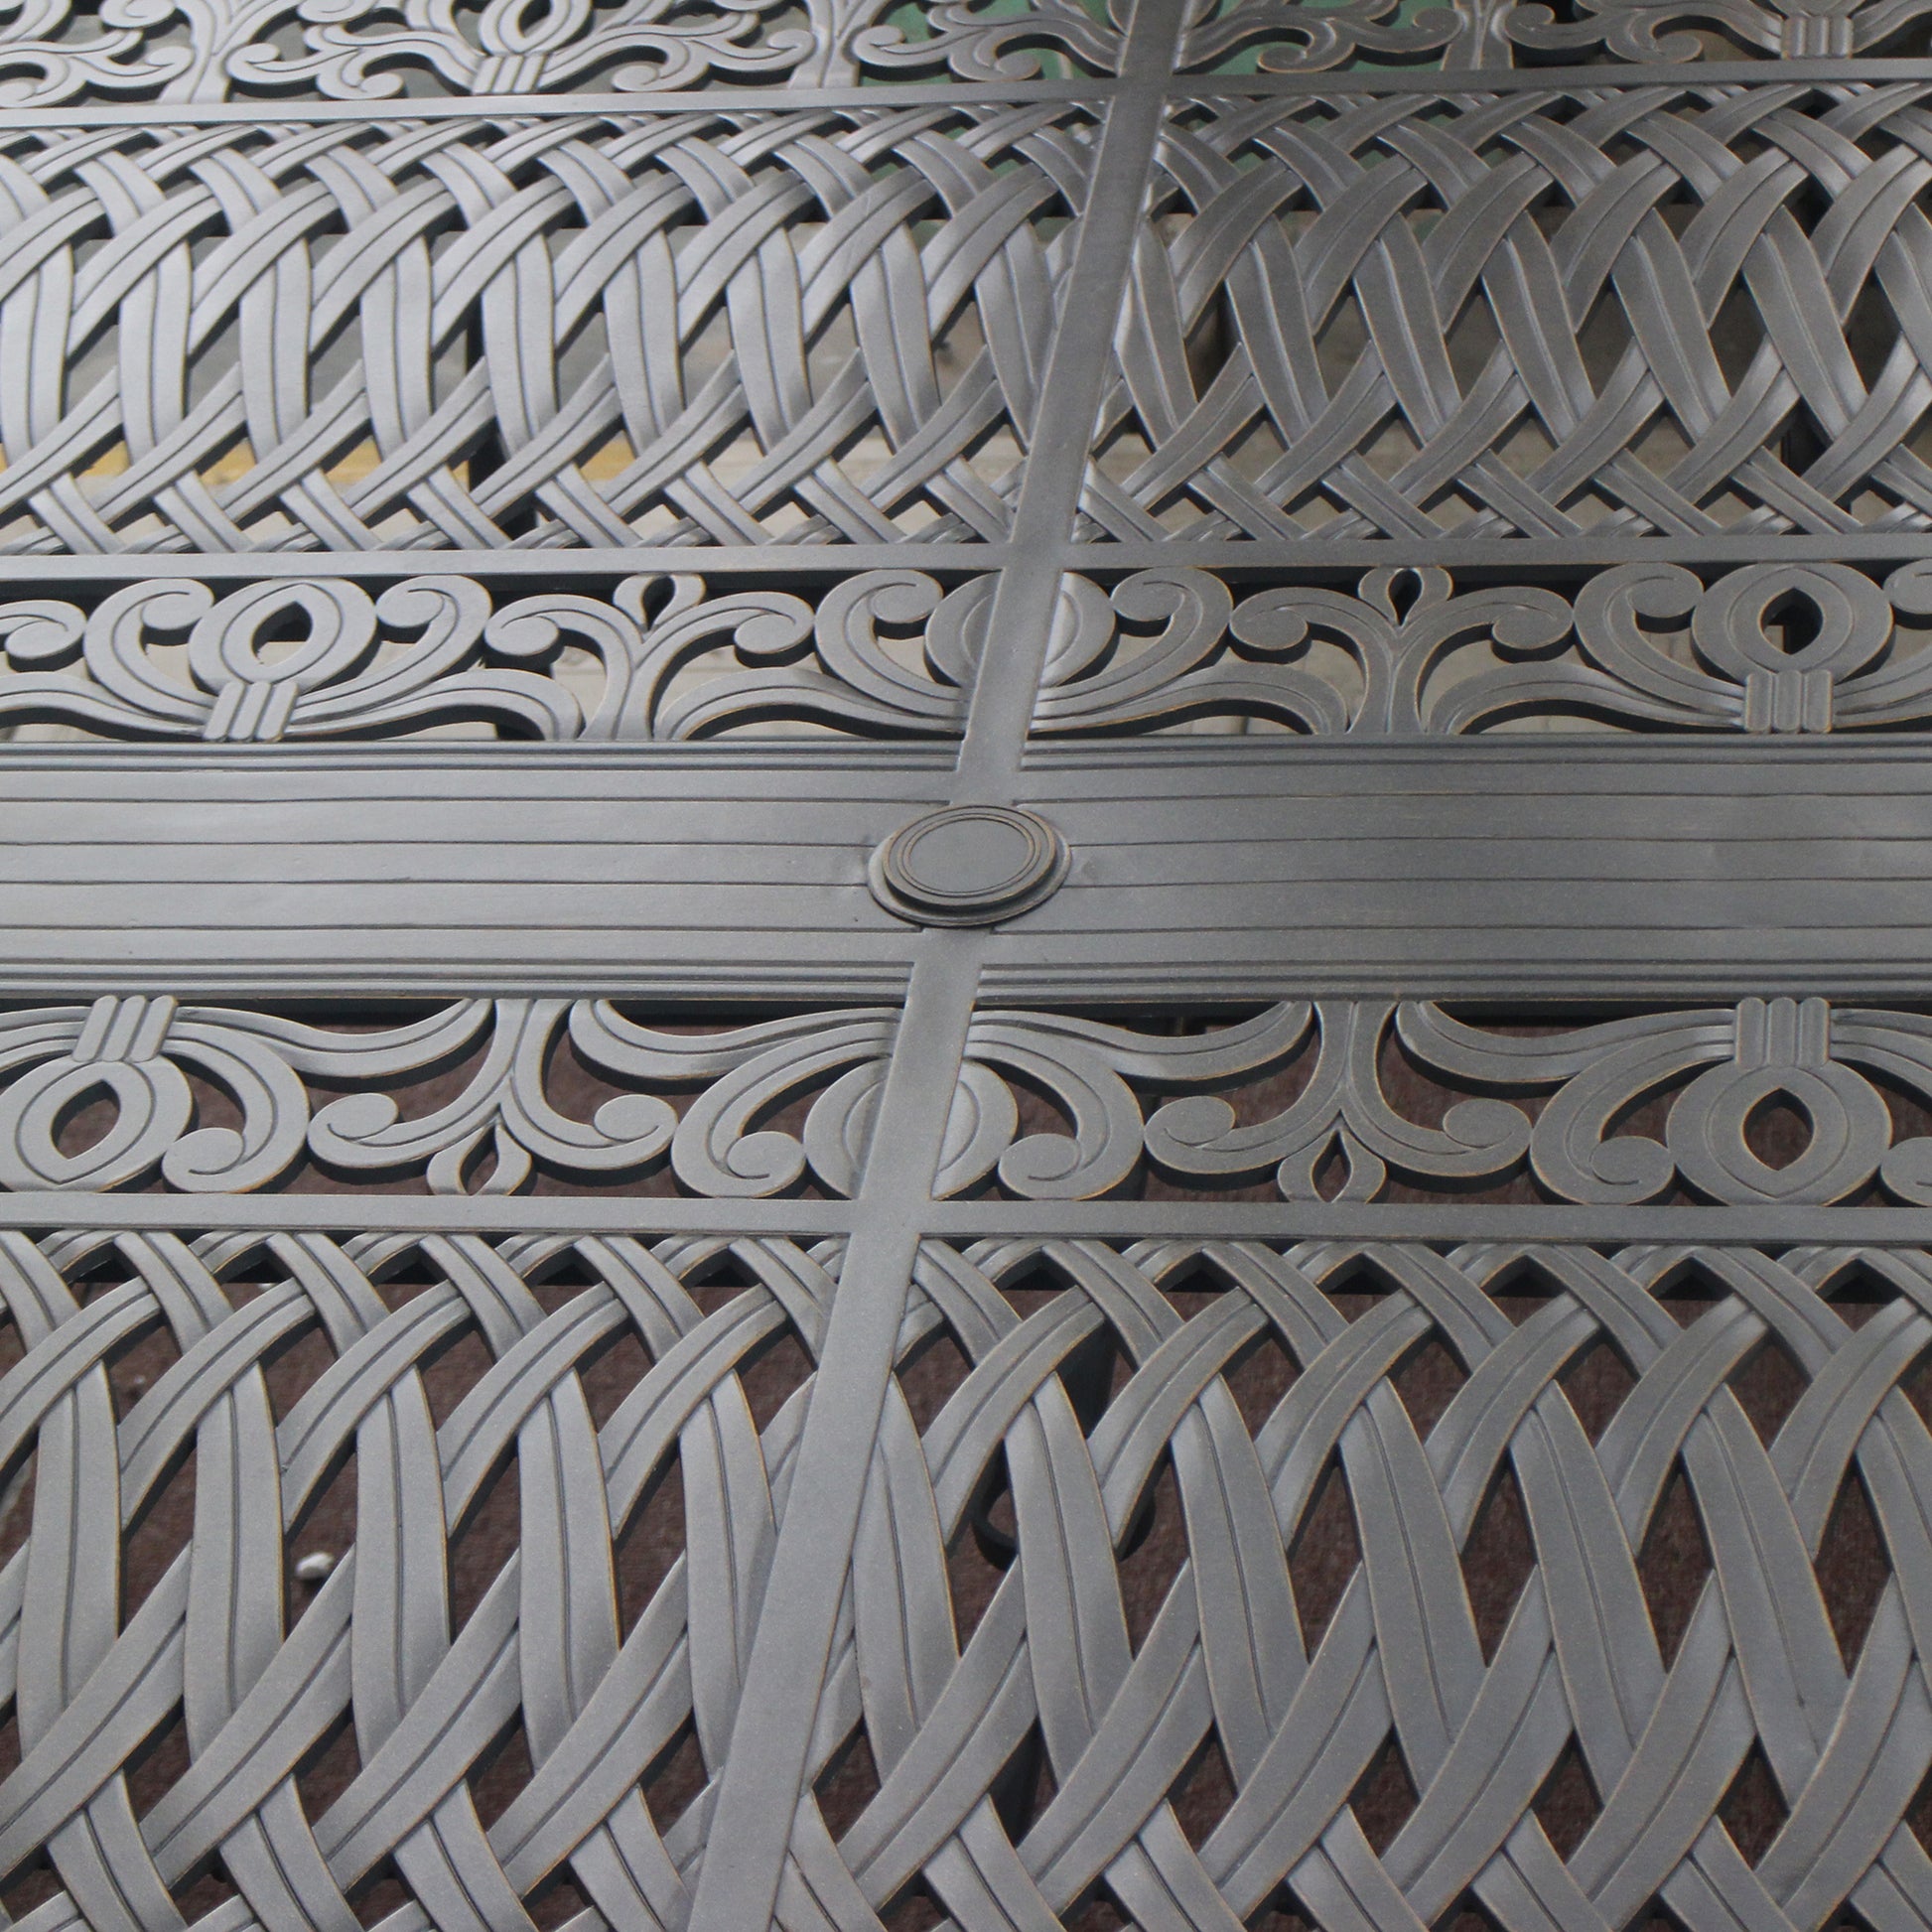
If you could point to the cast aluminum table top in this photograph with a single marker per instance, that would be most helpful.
(896, 895)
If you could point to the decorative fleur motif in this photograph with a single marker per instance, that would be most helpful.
(1291, 36)
(368, 50)
(1718, 1065)
(1675, 29)
(360, 49)
(1342, 1115)
(1094, 1073)
(830, 666)
(1301, 36)
(1766, 649)
(1343, 1134)
(137, 1053)
(977, 40)
(429, 652)
(43, 60)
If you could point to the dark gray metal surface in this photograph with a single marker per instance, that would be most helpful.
(1241, 868)
(1100, 721)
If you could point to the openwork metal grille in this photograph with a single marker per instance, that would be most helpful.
(965, 965)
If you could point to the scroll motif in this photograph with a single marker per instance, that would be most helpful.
(1048, 1107)
(1620, 313)
(1684, 30)
(365, 49)
(1103, 1079)
(47, 55)
(1769, 648)
(1284, 37)
(890, 653)
(362, 49)
(276, 1075)
(1557, 1103)
(659, 659)
(206, 51)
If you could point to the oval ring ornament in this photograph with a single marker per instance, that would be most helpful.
(969, 865)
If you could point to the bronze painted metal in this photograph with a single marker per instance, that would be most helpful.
(872, 795)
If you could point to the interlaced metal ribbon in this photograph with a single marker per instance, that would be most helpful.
(1399, 1661)
(1549, 354)
(679, 338)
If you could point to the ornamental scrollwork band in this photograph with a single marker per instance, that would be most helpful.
(1050, 1106)
(210, 51)
(884, 652)
(1557, 1101)
(207, 51)
(1768, 649)
(1282, 37)
(157, 1063)
(1052, 1404)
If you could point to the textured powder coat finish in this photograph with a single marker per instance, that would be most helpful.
(966, 965)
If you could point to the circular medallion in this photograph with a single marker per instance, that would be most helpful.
(970, 865)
